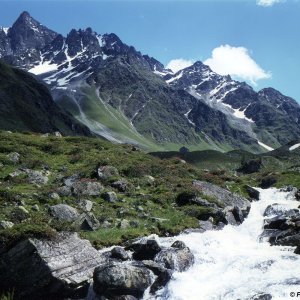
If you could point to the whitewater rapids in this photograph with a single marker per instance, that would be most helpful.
(233, 264)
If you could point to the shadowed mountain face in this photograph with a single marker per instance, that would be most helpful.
(27, 105)
(126, 96)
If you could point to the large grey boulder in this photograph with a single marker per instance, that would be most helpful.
(223, 196)
(115, 279)
(50, 269)
(37, 177)
(177, 257)
(63, 212)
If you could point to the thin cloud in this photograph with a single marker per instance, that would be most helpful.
(267, 3)
(178, 64)
(237, 62)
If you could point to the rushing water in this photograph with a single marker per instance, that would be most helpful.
(232, 264)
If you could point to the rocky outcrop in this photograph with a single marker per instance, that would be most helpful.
(63, 212)
(44, 269)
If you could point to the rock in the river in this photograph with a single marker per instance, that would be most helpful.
(63, 212)
(50, 269)
(253, 193)
(262, 297)
(113, 279)
(267, 182)
(107, 172)
(177, 257)
(145, 250)
(119, 253)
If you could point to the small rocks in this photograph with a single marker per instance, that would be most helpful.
(57, 134)
(63, 212)
(54, 196)
(119, 253)
(87, 221)
(37, 177)
(121, 185)
(6, 224)
(117, 279)
(14, 157)
(110, 197)
(107, 172)
(124, 224)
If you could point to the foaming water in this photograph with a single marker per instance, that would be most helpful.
(232, 264)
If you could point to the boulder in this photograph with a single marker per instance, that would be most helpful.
(163, 275)
(116, 279)
(37, 177)
(121, 185)
(57, 134)
(6, 224)
(86, 188)
(261, 297)
(107, 172)
(253, 193)
(54, 196)
(88, 222)
(14, 157)
(64, 191)
(145, 250)
(50, 269)
(124, 224)
(273, 210)
(119, 253)
(178, 257)
(297, 250)
(63, 212)
(19, 214)
(297, 194)
(223, 196)
(110, 197)
(85, 205)
(267, 182)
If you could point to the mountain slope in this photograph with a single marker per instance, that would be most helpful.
(126, 96)
(266, 116)
(26, 105)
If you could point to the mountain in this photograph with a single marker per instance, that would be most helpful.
(27, 105)
(126, 96)
(266, 115)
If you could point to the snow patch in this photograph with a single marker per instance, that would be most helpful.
(187, 116)
(175, 78)
(265, 146)
(5, 29)
(43, 67)
(240, 114)
(101, 41)
(294, 147)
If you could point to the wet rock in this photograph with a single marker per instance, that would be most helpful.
(297, 195)
(6, 224)
(262, 297)
(163, 275)
(179, 259)
(110, 197)
(87, 188)
(253, 193)
(54, 269)
(13, 157)
(121, 185)
(297, 250)
(113, 279)
(107, 172)
(273, 209)
(85, 205)
(63, 212)
(119, 253)
(145, 250)
(267, 182)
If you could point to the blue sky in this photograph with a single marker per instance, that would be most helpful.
(257, 43)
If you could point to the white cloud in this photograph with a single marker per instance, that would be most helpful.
(267, 3)
(178, 64)
(237, 62)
